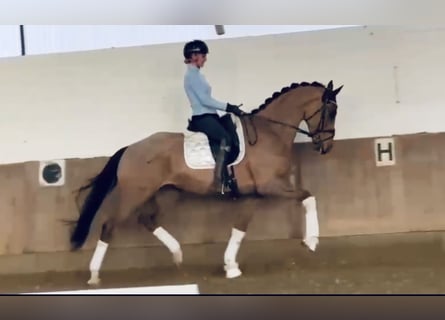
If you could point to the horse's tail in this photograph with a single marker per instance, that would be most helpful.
(101, 185)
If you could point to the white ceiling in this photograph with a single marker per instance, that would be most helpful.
(159, 12)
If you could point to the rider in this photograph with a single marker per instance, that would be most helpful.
(204, 108)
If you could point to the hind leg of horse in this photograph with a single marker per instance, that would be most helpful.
(130, 199)
(99, 252)
(148, 217)
(237, 235)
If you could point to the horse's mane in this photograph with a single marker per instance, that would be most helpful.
(277, 94)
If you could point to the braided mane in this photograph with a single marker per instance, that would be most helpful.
(277, 94)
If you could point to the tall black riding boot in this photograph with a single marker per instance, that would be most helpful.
(220, 165)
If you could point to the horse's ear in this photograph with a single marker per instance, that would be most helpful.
(336, 91)
(330, 85)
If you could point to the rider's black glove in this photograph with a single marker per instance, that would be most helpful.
(234, 109)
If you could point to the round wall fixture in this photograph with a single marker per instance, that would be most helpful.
(52, 173)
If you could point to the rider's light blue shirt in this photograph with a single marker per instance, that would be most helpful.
(199, 93)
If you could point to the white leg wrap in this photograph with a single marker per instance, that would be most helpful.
(96, 261)
(231, 266)
(170, 242)
(166, 238)
(312, 228)
(98, 256)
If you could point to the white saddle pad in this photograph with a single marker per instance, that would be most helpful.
(197, 152)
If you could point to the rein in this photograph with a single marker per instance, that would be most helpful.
(320, 127)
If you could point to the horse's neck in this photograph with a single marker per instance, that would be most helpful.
(288, 110)
(289, 107)
(283, 113)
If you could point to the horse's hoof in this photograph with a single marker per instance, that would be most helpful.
(93, 282)
(311, 243)
(177, 257)
(233, 273)
(94, 279)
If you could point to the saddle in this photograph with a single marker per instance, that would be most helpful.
(200, 152)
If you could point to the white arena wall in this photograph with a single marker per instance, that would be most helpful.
(89, 104)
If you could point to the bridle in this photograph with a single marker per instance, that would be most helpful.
(320, 128)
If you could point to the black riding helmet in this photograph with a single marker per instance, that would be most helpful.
(195, 46)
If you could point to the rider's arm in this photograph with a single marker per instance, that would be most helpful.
(201, 89)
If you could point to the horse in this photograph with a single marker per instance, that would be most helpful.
(135, 173)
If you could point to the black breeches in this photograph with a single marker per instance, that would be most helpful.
(211, 126)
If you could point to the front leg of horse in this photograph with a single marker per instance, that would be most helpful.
(312, 231)
(283, 189)
(230, 264)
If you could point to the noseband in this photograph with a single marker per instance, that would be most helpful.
(321, 125)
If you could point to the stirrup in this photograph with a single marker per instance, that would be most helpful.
(225, 189)
(224, 186)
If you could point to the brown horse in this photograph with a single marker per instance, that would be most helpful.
(135, 173)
